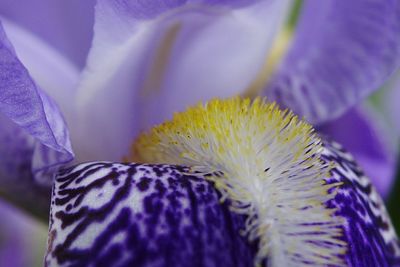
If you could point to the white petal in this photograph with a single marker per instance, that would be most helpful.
(142, 69)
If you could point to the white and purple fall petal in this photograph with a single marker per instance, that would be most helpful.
(255, 187)
(111, 214)
(157, 215)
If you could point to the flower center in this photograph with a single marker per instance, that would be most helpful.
(267, 162)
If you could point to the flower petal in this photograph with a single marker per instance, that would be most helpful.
(66, 25)
(50, 70)
(26, 105)
(367, 229)
(22, 239)
(341, 52)
(141, 215)
(17, 183)
(156, 215)
(358, 131)
(149, 60)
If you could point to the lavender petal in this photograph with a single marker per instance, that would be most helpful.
(341, 52)
(65, 25)
(50, 70)
(149, 60)
(22, 239)
(358, 131)
(31, 122)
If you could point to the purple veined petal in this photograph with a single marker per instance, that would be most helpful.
(360, 133)
(341, 52)
(22, 239)
(149, 60)
(65, 25)
(26, 105)
(50, 70)
(141, 215)
(368, 231)
(156, 215)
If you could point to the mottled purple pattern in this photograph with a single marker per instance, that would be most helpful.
(368, 229)
(149, 9)
(341, 52)
(25, 104)
(156, 215)
(110, 214)
(360, 133)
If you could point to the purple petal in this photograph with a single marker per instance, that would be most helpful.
(149, 60)
(21, 238)
(358, 131)
(156, 215)
(66, 25)
(141, 215)
(50, 70)
(367, 228)
(27, 106)
(17, 183)
(341, 52)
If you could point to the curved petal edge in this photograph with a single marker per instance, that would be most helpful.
(26, 105)
(341, 52)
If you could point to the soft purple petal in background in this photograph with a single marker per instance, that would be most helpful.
(66, 25)
(22, 239)
(114, 214)
(342, 51)
(361, 134)
(17, 183)
(34, 137)
(149, 60)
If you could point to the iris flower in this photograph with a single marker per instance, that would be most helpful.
(230, 182)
